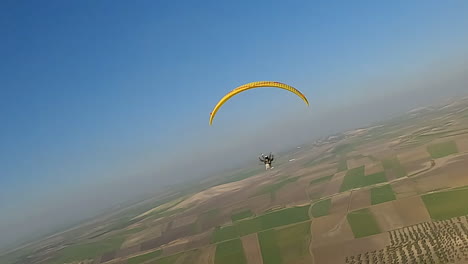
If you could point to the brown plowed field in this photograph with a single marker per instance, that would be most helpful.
(252, 249)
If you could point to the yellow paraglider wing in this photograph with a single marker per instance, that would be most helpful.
(252, 85)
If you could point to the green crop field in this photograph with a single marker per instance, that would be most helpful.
(382, 194)
(241, 215)
(363, 223)
(375, 178)
(272, 188)
(321, 180)
(249, 226)
(268, 245)
(145, 257)
(224, 233)
(167, 260)
(263, 222)
(293, 242)
(285, 217)
(230, 252)
(321, 208)
(88, 250)
(356, 178)
(441, 150)
(394, 165)
(448, 204)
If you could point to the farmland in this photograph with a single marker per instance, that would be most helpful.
(321, 208)
(356, 178)
(445, 205)
(441, 150)
(382, 194)
(360, 197)
(363, 223)
(230, 252)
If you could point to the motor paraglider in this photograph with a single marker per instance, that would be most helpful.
(253, 85)
(267, 160)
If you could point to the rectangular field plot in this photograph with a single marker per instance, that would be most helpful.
(230, 252)
(382, 194)
(241, 215)
(394, 167)
(271, 220)
(287, 245)
(321, 180)
(285, 217)
(356, 178)
(293, 242)
(363, 223)
(441, 150)
(145, 257)
(321, 208)
(269, 247)
(224, 233)
(445, 205)
(374, 178)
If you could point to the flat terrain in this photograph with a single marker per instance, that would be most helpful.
(230, 252)
(363, 223)
(361, 196)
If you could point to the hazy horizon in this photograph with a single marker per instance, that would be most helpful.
(103, 100)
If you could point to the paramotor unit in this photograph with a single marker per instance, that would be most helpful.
(253, 85)
(267, 160)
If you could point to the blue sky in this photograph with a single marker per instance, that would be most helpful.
(94, 91)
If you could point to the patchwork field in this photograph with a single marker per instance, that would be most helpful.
(252, 249)
(359, 199)
(363, 223)
(448, 204)
(230, 252)
(287, 245)
(441, 150)
(380, 194)
(321, 208)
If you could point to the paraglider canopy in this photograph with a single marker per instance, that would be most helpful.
(252, 85)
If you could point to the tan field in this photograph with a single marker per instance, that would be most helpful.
(330, 229)
(405, 188)
(374, 167)
(136, 239)
(400, 213)
(315, 191)
(340, 203)
(290, 194)
(354, 163)
(322, 173)
(334, 185)
(252, 249)
(412, 210)
(257, 204)
(207, 255)
(360, 199)
(183, 221)
(414, 160)
(462, 145)
(337, 252)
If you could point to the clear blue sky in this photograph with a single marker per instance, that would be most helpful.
(92, 90)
